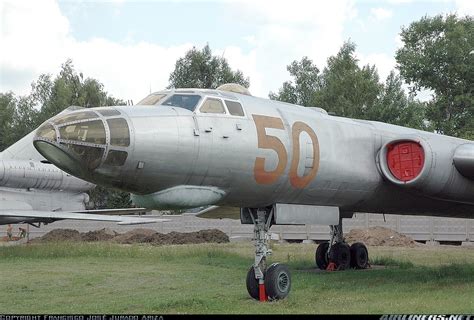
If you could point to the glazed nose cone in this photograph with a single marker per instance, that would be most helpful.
(74, 142)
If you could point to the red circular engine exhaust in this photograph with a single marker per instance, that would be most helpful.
(405, 160)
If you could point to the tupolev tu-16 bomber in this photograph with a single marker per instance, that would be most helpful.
(280, 163)
(183, 157)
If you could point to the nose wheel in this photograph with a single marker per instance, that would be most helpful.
(274, 282)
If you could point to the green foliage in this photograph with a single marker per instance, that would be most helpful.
(347, 90)
(68, 89)
(119, 199)
(21, 115)
(395, 107)
(200, 69)
(306, 83)
(7, 111)
(437, 55)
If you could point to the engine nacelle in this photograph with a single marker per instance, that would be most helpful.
(425, 164)
(464, 160)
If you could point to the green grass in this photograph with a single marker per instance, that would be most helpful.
(210, 278)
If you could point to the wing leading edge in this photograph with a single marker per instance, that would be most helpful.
(82, 215)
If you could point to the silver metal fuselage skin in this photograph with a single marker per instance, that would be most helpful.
(175, 153)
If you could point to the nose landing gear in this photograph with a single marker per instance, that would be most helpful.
(274, 282)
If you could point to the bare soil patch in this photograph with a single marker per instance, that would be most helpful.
(379, 236)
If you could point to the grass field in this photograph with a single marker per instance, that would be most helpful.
(111, 278)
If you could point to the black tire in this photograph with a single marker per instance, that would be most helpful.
(252, 284)
(321, 256)
(359, 256)
(341, 255)
(277, 281)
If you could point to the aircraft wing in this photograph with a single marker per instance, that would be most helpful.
(60, 215)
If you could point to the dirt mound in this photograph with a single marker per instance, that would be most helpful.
(136, 236)
(379, 236)
(61, 235)
(145, 236)
(99, 235)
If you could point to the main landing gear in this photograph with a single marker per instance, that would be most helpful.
(338, 255)
(266, 283)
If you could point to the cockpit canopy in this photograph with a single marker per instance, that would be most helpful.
(214, 103)
(180, 100)
(186, 101)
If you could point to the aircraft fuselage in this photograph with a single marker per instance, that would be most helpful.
(274, 153)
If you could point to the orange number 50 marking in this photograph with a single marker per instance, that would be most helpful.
(269, 142)
(266, 141)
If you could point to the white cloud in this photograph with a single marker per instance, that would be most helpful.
(399, 1)
(247, 63)
(42, 45)
(464, 7)
(381, 13)
(383, 62)
(288, 31)
(284, 32)
(398, 41)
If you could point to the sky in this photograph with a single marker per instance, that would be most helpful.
(132, 46)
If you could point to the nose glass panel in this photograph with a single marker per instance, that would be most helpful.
(47, 132)
(86, 155)
(116, 158)
(83, 115)
(90, 131)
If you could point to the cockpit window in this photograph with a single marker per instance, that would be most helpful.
(235, 108)
(152, 99)
(76, 116)
(90, 131)
(212, 105)
(119, 132)
(186, 101)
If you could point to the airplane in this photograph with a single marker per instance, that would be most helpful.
(279, 163)
(34, 191)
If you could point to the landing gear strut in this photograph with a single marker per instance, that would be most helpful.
(337, 255)
(274, 282)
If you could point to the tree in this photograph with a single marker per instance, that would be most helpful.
(306, 84)
(48, 97)
(437, 54)
(102, 197)
(7, 110)
(395, 107)
(346, 89)
(200, 69)
(68, 89)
